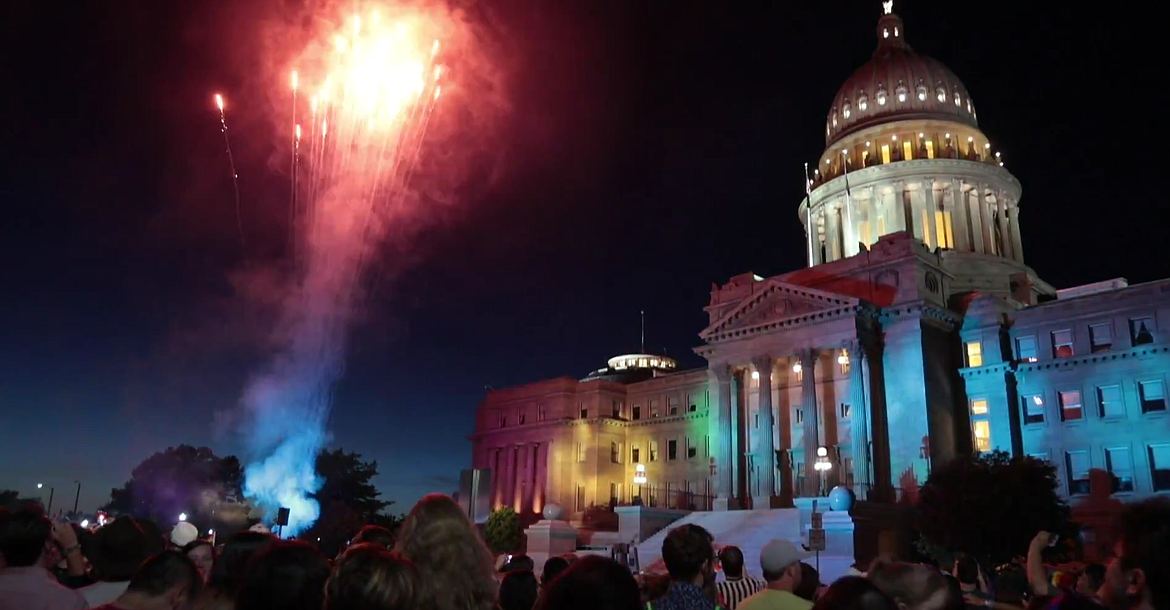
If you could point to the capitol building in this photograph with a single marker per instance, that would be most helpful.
(916, 334)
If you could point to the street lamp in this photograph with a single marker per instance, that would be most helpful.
(640, 474)
(822, 465)
(49, 509)
(182, 516)
(84, 523)
(76, 496)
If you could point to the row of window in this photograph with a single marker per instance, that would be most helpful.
(617, 453)
(1101, 339)
(1118, 462)
(843, 413)
(667, 495)
(902, 95)
(1110, 402)
(618, 409)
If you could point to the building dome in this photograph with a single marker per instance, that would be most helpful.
(897, 84)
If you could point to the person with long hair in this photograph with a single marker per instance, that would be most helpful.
(286, 575)
(371, 577)
(455, 567)
(203, 555)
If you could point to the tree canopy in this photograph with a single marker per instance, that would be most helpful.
(349, 500)
(502, 531)
(990, 506)
(183, 479)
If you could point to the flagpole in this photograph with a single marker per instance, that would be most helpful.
(809, 228)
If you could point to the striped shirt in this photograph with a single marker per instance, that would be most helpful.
(735, 590)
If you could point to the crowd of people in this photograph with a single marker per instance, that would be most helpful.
(438, 561)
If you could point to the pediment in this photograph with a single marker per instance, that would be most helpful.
(776, 302)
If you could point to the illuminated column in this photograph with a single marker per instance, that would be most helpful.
(497, 478)
(930, 207)
(767, 441)
(1005, 238)
(722, 380)
(832, 232)
(808, 402)
(858, 414)
(873, 212)
(1017, 245)
(902, 209)
(957, 205)
(986, 220)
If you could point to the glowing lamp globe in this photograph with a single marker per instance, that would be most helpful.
(841, 499)
(553, 511)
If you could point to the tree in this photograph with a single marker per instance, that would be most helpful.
(502, 532)
(990, 506)
(348, 499)
(8, 497)
(183, 479)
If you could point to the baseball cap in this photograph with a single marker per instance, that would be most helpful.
(183, 533)
(779, 554)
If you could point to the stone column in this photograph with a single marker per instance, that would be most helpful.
(858, 420)
(497, 478)
(930, 206)
(766, 450)
(959, 212)
(989, 245)
(873, 213)
(528, 502)
(1017, 245)
(902, 208)
(517, 497)
(812, 432)
(722, 380)
(832, 233)
(1005, 236)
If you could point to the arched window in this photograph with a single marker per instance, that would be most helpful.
(881, 97)
(901, 92)
(846, 110)
(941, 93)
(922, 93)
(862, 102)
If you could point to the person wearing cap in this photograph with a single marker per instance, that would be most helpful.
(182, 534)
(780, 563)
(115, 552)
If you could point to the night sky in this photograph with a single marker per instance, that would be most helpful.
(650, 148)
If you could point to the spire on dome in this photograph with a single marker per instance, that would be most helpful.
(891, 33)
(888, 7)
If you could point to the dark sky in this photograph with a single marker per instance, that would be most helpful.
(651, 148)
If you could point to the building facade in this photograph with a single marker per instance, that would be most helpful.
(916, 334)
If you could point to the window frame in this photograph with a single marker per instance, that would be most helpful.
(973, 359)
(672, 443)
(1120, 401)
(1072, 349)
(1142, 397)
(1064, 408)
(1035, 349)
(1108, 464)
(1027, 401)
(1094, 347)
(1068, 466)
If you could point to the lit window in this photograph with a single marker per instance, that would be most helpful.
(982, 430)
(979, 407)
(1033, 409)
(671, 450)
(974, 354)
(1152, 396)
(1141, 330)
(834, 119)
(1070, 405)
(863, 102)
(942, 94)
(1160, 466)
(958, 100)
(653, 451)
(1100, 337)
(895, 31)
(1109, 398)
(1118, 463)
(1026, 348)
(846, 110)
(1078, 465)
(881, 97)
(922, 93)
(885, 32)
(1062, 343)
(901, 92)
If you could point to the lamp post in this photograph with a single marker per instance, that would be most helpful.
(640, 477)
(76, 496)
(49, 508)
(822, 466)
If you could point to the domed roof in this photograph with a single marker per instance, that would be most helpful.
(897, 84)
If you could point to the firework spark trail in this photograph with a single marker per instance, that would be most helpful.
(378, 90)
(296, 149)
(232, 164)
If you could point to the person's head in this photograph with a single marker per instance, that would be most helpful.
(25, 537)
(912, 586)
(854, 593)
(166, 580)
(455, 567)
(810, 581)
(731, 558)
(118, 549)
(1139, 575)
(182, 534)
(375, 534)
(780, 563)
(372, 577)
(228, 572)
(592, 583)
(518, 562)
(203, 555)
(1091, 579)
(518, 590)
(966, 570)
(552, 567)
(288, 575)
(689, 555)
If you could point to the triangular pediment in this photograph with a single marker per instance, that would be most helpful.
(775, 301)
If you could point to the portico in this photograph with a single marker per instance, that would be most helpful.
(791, 367)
